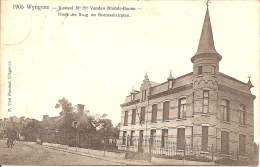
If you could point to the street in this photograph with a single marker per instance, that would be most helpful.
(23, 154)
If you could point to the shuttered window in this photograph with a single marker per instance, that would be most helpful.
(180, 138)
(224, 142)
(164, 138)
(152, 137)
(126, 118)
(204, 141)
(132, 138)
(133, 116)
(154, 113)
(166, 107)
(142, 115)
(242, 145)
(124, 137)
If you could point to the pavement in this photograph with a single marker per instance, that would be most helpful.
(121, 161)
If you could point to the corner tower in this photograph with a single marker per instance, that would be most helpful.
(205, 70)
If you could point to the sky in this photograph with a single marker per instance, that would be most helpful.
(96, 61)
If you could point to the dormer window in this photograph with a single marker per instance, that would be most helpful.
(132, 97)
(200, 70)
(170, 84)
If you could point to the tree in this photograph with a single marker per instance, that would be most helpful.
(32, 130)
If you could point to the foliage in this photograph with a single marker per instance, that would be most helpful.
(32, 130)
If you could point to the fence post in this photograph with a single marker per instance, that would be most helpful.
(212, 152)
(237, 155)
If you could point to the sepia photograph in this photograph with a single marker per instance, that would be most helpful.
(170, 82)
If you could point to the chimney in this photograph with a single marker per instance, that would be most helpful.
(80, 108)
(45, 116)
(22, 119)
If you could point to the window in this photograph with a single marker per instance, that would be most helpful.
(214, 70)
(166, 107)
(182, 108)
(224, 142)
(133, 116)
(132, 138)
(242, 145)
(205, 101)
(124, 137)
(200, 70)
(145, 95)
(142, 95)
(126, 118)
(204, 141)
(225, 110)
(180, 138)
(164, 138)
(142, 119)
(132, 97)
(154, 113)
(170, 85)
(242, 114)
(152, 137)
(192, 137)
(140, 144)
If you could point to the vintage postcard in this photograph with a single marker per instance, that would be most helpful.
(129, 82)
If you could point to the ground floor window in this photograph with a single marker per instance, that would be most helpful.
(152, 138)
(242, 145)
(132, 138)
(224, 142)
(204, 140)
(164, 137)
(180, 138)
(124, 137)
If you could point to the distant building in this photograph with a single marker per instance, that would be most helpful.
(204, 108)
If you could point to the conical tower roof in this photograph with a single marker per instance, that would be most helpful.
(206, 46)
(206, 43)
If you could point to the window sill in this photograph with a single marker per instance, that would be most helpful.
(213, 75)
(200, 75)
(165, 120)
(153, 122)
(243, 157)
(180, 119)
(225, 155)
(125, 125)
(132, 124)
(205, 115)
(204, 152)
(179, 150)
(225, 122)
(242, 125)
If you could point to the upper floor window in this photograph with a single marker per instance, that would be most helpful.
(182, 108)
(154, 113)
(166, 107)
(200, 70)
(164, 138)
(126, 118)
(133, 116)
(214, 70)
(143, 95)
(225, 110)
(142, 119)
(242, 114)
(205, 101)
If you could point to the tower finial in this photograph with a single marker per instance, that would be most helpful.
(208, 1)
(249, 83)
(170, 76)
